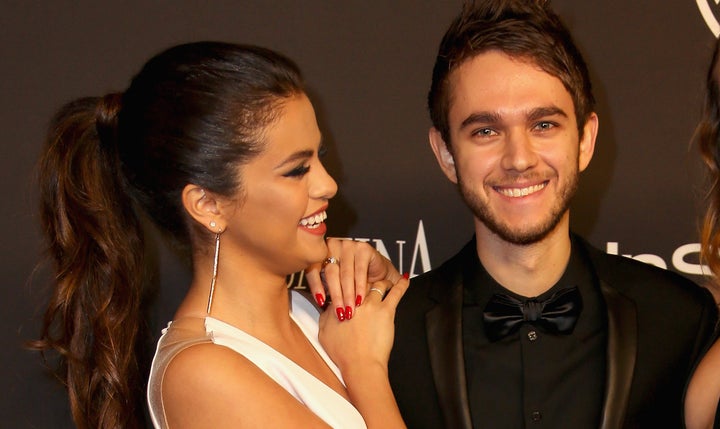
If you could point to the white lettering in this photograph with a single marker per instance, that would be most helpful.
(421, 249)
(420, 245)
(678, 260)
(299, 284)
(612, 248)
(651, 259)
(400, 244)
(380, 247)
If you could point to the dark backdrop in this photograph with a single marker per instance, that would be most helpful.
(368, 65)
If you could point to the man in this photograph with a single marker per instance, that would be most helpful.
(528, 325)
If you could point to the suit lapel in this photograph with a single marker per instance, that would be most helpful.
(622, 352)
(444, 333)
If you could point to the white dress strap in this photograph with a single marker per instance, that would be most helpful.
(327, 404)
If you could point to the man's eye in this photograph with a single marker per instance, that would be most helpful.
(484, 132)
(544, 126)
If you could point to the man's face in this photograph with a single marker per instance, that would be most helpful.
(515, 152)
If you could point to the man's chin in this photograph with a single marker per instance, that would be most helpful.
(522, 236)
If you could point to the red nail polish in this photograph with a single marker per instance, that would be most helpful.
(358, 301)
(348, 312)
(320, 299)
(406, 276)
(340, 313)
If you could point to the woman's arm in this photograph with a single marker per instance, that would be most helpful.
(361, 349)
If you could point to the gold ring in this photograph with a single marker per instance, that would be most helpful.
(330, 260)
(374, 289)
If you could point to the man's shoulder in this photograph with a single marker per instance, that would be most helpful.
(447, 273)
(431, 287)
(637, 278)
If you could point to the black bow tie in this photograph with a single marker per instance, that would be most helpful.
(504, 314)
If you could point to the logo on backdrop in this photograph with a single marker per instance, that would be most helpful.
(710, 12)
(684, 259)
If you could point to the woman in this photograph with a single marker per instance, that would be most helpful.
(703, 394)
(218, 144)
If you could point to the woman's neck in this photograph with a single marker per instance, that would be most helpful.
(246, 297)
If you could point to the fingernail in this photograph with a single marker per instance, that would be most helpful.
(348, 312)
(340, 313)
(320, 299)
(406, 276)
(358, 301)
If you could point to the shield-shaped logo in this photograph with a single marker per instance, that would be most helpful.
(710, 12)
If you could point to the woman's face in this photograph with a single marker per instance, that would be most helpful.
(278, 218)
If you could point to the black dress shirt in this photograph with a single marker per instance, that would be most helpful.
(532, 379)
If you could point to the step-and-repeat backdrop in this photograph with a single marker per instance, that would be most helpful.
(368, 65)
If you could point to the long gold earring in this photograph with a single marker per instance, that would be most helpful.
(215, 268)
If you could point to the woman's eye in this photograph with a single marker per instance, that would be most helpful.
(322, 151)
(298, 171)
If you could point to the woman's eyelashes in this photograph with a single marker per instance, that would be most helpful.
(302, 169)
(298, 171)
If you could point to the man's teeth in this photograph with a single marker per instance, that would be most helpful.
(521, 192)
(313, 221)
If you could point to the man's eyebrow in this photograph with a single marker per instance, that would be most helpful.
(541, 112)
(480, 118)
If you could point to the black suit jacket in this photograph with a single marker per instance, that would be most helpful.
(659, 324)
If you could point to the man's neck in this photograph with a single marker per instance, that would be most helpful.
(528, 270)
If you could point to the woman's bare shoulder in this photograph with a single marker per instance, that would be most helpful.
(208, 385)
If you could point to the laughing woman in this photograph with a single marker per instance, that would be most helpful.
(218, 144)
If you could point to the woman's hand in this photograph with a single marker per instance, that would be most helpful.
(350, 267)
(361, 348)
(367, 339)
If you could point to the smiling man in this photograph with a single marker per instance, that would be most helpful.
(528, 325)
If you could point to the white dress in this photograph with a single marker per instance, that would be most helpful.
(180, 334)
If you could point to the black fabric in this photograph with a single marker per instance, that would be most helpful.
(539, 379)
(504, 314)
(674, 320)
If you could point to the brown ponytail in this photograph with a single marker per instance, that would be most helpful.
(94, 240)
(193, 114)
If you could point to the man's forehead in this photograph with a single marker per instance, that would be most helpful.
(495, 81)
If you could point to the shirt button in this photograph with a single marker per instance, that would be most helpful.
(532, 335)
(536, 416)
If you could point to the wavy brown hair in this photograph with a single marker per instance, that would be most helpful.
(193, 114)
(707, 137)
(95, 243)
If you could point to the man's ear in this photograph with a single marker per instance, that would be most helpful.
(204, 207)
(443, 155)
(587, 141)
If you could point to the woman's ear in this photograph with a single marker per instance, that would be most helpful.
(204, 207)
